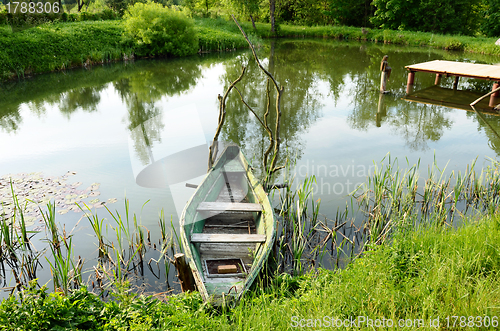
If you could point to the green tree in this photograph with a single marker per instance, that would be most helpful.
(243, 8)
(304, 12)
(118, 6)
(441, 16)
(202, 7)
(350, 13)
(491, 23)
(157, 30)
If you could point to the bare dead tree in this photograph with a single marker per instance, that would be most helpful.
(274, 137)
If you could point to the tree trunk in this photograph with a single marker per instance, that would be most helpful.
(253, 22)
(80, 5)
(272, 6)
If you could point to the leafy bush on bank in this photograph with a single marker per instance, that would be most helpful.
(157, 30)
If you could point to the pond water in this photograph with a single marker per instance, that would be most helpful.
(109, 124)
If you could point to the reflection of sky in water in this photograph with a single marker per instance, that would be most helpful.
(343, 138)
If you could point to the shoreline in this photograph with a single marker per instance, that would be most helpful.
(27, 53)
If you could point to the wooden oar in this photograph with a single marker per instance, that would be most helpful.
(484, 96)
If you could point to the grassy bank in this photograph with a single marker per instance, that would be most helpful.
(58, 46)
(425, 274)
(481, 45)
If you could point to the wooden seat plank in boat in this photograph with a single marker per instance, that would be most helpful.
(220, 207)
(233, 166)
(227, 238)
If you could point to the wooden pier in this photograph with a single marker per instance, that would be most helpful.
(456, 69)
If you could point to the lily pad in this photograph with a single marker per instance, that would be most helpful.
(94, 201)
(94, 194)
(99, 204)
(62, 211)
(112, 200)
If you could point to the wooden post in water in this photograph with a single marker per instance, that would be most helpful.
(438, 79)
(455, 83)
(411, 80)
(494, 98)
(496, 85)
(386, 73)
(184, 273)
(383, 82)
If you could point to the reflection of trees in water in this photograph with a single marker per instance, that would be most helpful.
(490, 125)
(84, 98)
(309, 71)
(145, 125)
(81, 89)
(419, 123)
(143, 89)
(10, 118)
(415, 123)
(300, 102)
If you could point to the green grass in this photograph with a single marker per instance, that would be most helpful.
(50, 47)
(426, 273)
(221, 35)
(481, 45)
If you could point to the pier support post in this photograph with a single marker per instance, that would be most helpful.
(495, 86)
(494, 98)
(383, 82)
(438, 79)
(184, 273)
(411, 80)
(455, 83)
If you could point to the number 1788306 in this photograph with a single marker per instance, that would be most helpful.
(14, 7)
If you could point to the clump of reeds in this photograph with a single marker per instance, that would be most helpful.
(392, 198)
(127, 256)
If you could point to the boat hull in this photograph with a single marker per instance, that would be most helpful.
(228, 219)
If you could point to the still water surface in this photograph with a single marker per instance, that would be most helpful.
(110, 123)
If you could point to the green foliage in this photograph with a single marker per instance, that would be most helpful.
(30, 20)
(450, 16)
(57, 46)
(425, 273)
(307, 12)
(220, 35)
(118, 6)
(491, 23)
(350, 13)
(156, 30)
(242, 9)
(204, 8)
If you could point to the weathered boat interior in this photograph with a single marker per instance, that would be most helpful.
(229, 229)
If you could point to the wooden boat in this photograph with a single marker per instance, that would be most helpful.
(227, 229)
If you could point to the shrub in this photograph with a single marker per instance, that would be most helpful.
(157, 30)
(117, 6)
